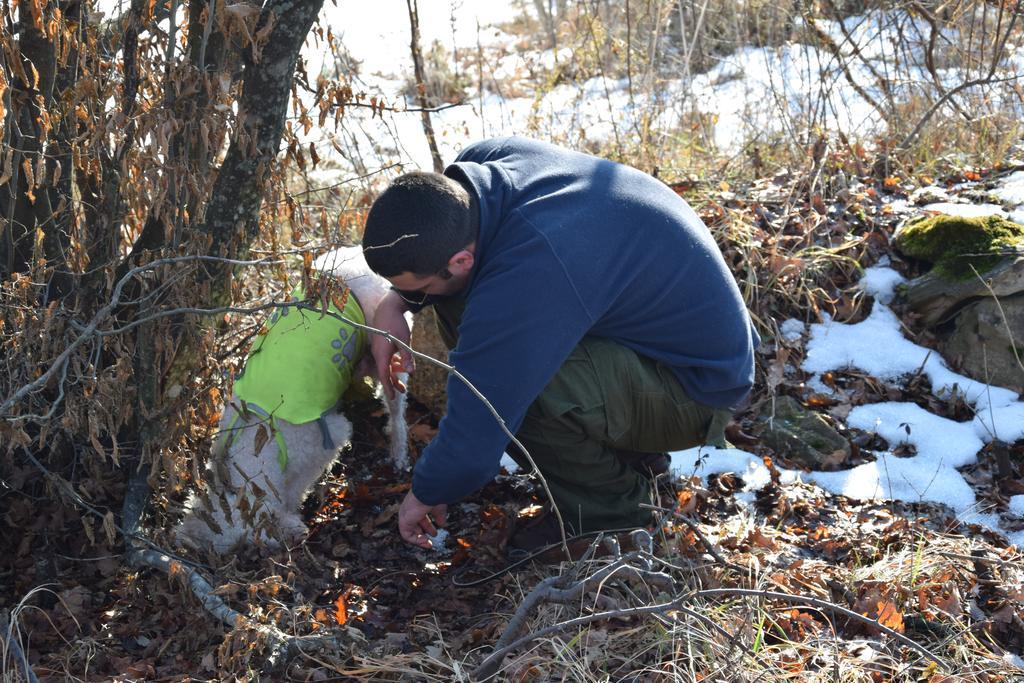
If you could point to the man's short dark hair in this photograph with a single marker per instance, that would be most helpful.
(417, 224)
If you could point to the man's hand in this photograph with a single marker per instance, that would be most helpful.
(388, 357)
(413, 523)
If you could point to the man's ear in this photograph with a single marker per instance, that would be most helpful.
(461, 263)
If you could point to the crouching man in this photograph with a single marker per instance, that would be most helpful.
(585, 300)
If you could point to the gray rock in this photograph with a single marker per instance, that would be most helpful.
(804, 436)
(982, 343)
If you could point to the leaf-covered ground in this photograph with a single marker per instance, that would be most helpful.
(400, 613)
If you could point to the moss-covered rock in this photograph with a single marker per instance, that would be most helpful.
(804, 436)
(955, 244)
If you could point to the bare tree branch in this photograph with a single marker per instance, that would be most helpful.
(987, 79)
(421, 83)
(90, 329)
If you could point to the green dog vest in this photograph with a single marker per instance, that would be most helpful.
(298, 370)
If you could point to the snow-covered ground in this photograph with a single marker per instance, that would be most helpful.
(877, 346)
(753, 92)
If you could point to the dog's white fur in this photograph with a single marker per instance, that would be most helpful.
(247, 496)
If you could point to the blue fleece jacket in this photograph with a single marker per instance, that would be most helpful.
(572, 245)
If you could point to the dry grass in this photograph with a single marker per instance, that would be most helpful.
(744, 639)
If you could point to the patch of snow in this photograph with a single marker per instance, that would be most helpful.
(1016, 505)
(966, 210)
(745, 499)
(939, 442)
(1005, 423)
(989, 520)
(510, 465)
(900, 206)
(880, 283)
(1009, 657)
(893, 478)
(1011, 189)
(707, 460)
(877, 347)
(817, 386)
(792, 329)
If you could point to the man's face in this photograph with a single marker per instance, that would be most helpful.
(452, 280)
(415, 288)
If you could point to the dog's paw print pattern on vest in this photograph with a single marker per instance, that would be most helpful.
(282, 311)
(346, 347)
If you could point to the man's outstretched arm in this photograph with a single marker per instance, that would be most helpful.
(390, 317)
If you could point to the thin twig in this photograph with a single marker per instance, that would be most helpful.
(553, 589)
(68, 490)
(988, 79)
(346, 181)
(207, 28)
(698, 533)
(282, 644)
(494, 659)
(100, 316)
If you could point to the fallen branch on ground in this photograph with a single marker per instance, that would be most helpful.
(282, 645)
(699, 534)
(549, 588)
(557, 589)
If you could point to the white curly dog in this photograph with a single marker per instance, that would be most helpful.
(281, 429)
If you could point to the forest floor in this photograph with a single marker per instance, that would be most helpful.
(401, 613)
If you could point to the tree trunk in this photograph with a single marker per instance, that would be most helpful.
(421, 79)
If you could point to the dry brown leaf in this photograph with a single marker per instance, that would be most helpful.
(758, 539)
(341, 607)
(687, 502)
(890, 616)
(386, 516)
(260, 440)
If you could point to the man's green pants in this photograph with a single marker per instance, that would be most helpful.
(606, 400)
